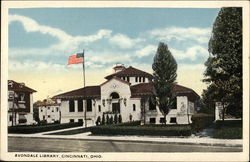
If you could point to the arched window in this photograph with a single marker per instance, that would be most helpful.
(114, 95)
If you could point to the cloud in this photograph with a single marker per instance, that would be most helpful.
(40, 67)
(124, 41)
(150, 49)
(108, 57)
(191, 53)
(67, 42)
(200, 35)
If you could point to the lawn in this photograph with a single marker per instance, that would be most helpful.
(72, 132)
(41, 128)
(229, 129)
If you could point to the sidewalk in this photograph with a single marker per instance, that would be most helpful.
(193, 140)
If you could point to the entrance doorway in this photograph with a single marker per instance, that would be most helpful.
(116, 108)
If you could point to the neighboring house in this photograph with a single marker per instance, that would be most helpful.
(49, 112)
(126, 92)
(20, 104)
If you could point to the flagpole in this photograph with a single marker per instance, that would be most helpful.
(83, 66)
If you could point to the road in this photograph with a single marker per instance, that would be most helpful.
(25, 144)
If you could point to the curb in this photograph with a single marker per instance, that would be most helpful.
(138, 141)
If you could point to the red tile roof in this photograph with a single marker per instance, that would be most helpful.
(87, 92)
(130, 71)
(142, 89)
(148, 89)
(123, 81)
(18, 87)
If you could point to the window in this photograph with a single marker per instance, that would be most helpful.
(43, 117)
(136, 79)
(99, 108)
(134, 107)
(139, 79)
(48, 116)
(71, 120)
(80, 120)
(128, 79)
(80, 106)
(10, 118)
(71, 106)
(175, 104)
(162, 120)
(152, 120)
(152, 105)
(41, 110)
(21, 97)
(114, 95)
(173, 120)
(143, 79)
(89, 105)
(57, 109)
(52, 109)
(48, 108)
(124, 78)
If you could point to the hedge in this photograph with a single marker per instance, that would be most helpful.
(142, 130)
(229, 129)
(201, 121)
(42, 128)
(132, 123)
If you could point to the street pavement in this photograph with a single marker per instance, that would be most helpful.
(27, 144)
(88, 142)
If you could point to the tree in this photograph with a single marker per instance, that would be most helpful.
(164, 67)
(103, 119)
(111, 120)
(224, 66)
(115, 119)
(98, 121)
(120, 118)
(107, 120)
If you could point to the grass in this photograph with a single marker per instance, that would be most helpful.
(229, 129)
(41, 128)
(72, 132)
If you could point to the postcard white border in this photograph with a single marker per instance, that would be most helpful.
(229, 156)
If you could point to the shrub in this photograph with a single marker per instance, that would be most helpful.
(107, 119)
(57, 122)
(201, 121)
(229, 129)
(98, 120)
(140, 130)
(133, 123)
(103, 119)
(120, 118)
(115, 119)
(111, 120)
(41, 128)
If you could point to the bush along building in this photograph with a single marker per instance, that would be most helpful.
(20, 104)
(127, 95)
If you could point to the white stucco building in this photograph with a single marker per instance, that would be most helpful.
(49, 112)
(126, 92)
(20, 104)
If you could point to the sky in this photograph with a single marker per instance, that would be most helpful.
(42, 39)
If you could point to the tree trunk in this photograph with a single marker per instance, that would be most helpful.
(165, 116)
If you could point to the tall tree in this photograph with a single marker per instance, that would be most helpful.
(224, 66)
(164, 67)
